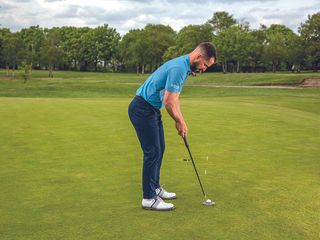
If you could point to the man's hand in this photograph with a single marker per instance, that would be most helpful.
(182, 128)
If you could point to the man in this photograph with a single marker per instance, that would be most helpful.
(163, 88)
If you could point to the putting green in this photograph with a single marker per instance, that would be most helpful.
(71, 169)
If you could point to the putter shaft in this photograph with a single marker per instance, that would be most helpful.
(194, 166)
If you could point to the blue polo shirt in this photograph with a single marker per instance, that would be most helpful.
(170, 76)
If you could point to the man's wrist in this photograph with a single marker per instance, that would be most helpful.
(180, 121)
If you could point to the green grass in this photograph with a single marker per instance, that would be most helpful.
(71, 162)
(84, 84)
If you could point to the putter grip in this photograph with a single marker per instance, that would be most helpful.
(185, 141)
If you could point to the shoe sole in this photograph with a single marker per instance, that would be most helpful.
(169, 198)
(155, 209)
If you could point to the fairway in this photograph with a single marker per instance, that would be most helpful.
(71, 167)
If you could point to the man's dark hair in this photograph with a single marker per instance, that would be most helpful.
(208, 50)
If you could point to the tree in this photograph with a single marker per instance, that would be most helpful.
(310, 35)
(224, 47)
(99, 46)
(13, 51)
(171, 52)
(33, 38)
(4, 33)
(146, 47)
(295, 52)
(51, 53)
(107, 43)
(158, 38)
(235, 46)
(257, 47)
(276, 46)
(188, 38)
(88, 51)
(27, 71)
(220, 21)
(274, 50)
(133, 48)
(71, 43)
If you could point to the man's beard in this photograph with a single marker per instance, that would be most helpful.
(194, 67)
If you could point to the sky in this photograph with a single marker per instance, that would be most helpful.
(129, 14)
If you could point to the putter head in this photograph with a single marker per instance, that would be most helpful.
(208, 202)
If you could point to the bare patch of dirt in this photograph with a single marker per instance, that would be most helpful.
(310, 82)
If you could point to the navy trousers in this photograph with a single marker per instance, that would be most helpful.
(148, 125)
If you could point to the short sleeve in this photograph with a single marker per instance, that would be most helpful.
(174, 80)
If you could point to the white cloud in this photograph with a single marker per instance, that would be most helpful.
(128, 14)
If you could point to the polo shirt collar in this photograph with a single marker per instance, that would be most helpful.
(188, 64)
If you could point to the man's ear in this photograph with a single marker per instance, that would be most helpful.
(198, 56)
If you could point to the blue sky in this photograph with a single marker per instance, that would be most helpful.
(128, 14)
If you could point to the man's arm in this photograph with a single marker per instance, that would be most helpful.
(172, 105)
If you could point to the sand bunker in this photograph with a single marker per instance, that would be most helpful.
(311, 82)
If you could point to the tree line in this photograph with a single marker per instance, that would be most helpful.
(240, 48)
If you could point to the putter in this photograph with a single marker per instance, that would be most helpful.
(207, 201)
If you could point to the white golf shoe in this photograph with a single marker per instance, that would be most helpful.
(161, 192)
(156, 204)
